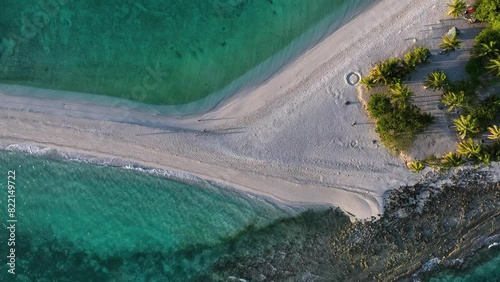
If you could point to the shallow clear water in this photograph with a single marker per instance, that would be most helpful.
(76, 219)
(165, 52)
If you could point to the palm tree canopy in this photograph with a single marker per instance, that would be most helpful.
(436, 80)
(368, 82)
(411, 60)
(494, 66)
(486, 50)
(416, 166)
(484, 157)
(387, 72)
(450, 43)
(401, 94)
(465, 125)
(468, 148)
(456, 8)
(495, 133)
(452, 159)
(422, 53)
(454, 100)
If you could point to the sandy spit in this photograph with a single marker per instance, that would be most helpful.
(291, 138)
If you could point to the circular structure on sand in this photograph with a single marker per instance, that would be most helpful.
(352, 78)
(354, 143)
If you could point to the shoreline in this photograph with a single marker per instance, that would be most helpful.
(59, 154)
(296, 144)
(278, 196)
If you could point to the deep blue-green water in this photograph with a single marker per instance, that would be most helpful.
(161, 52)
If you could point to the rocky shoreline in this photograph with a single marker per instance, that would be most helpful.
(441, 221)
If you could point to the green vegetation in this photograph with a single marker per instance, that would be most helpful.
(452, 159)
(394, 70)
(474, 68)
(489, 11)
(398, 121)
(494, 66)
(486, 51)
(398, 128)
(495, 133)
(456, 8)
(418, 56)
(379, 105)
(477, 117)
(486, 112)
(401, 94)
(453, 100)
(436, 80)
(466, 126)
(468, 87)
(450, 44)
(468, 148)
(387, 72)
(416, 166)
(368, 82)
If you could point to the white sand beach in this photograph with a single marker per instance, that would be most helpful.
(291, 138)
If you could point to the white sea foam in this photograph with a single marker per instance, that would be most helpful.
(103, 161)
(184, 177)
(494, 245)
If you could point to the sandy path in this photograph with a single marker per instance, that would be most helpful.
(290, 138)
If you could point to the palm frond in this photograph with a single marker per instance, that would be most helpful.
(466, 125)
(416, 166)
(469, 148)
(453, 100)
(436, 80)
(495, 133)
(456, 8)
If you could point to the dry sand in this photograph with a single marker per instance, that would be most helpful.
(290, 138)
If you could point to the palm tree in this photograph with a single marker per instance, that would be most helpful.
(401, 94)
(411, 60)
(468, 148)
(495, 133)
(485, 158)
(436, 80)
(416, 166)
(422, 53)
(453, 100)
(494, 150)
(386, 72)
(452, 160)
(486, 50)
(494, 66)
(456, 8)
(368, 82)
(450, 43)
(465, 125)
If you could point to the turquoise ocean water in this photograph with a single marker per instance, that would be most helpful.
(76, 220)
(167, 52)
(83, 222)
